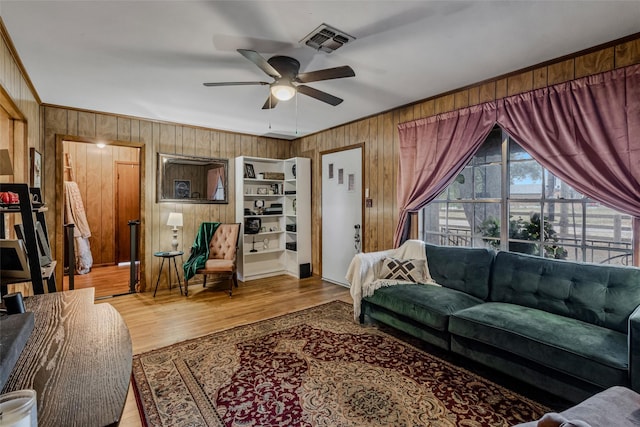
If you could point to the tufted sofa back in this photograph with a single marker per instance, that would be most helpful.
(224, 241)
(603, 295)
(463, 269)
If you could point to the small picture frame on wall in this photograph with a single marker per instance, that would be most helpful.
(35, 169)
(249, 172)
(181, 188)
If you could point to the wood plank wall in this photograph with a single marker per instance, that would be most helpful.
(379, 135)
(157, 137)
(19, 90)
(94, 172)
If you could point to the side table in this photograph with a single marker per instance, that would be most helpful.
(170, 255)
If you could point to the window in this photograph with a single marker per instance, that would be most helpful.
(506, 200)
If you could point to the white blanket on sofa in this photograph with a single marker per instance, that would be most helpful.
(364, 268)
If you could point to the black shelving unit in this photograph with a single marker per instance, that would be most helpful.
(30, 214)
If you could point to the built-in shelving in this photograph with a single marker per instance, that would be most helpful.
(283, 244)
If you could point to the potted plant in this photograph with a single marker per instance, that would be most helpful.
(525, 229)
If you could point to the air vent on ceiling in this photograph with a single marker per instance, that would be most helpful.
(327, 38)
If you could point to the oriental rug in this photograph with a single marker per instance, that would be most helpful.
(315, 367)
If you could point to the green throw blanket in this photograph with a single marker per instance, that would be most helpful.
(200, 249)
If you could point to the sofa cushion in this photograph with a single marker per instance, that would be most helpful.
(584, 350)
(463, 269)
(426, 304)
(604, 295)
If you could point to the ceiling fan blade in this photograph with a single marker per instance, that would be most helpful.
(235, 84)
(271, 102)
(319, 95)
(326, 74)
(259, 60)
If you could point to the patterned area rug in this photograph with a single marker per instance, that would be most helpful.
(316, 367)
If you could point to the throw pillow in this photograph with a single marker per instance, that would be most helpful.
(411, 270)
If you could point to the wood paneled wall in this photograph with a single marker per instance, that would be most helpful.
(157, 137)
(379, 135)
(19, 91)
(94, 172)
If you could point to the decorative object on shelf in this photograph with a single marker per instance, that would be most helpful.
(248, 171)
(253, 247)
(293, 170)
(260, 176)
(252, 225)
(6, 168)
(263, 191)
(13, 256)
(274, 175)
(265, 243)
(35, 171)
(294, 205)
(175, 221)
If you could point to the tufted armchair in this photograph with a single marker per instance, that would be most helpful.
(223, 248)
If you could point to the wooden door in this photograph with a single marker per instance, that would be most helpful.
(127, 207)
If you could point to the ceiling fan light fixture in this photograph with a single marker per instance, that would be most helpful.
(283, 91)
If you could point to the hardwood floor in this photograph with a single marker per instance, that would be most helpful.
(170, 317)
(107, 281)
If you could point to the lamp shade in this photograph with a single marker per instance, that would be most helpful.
(175, 219)
(6, 168)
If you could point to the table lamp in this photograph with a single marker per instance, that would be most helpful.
(175, 221)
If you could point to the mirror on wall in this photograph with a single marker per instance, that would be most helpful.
(188, 179)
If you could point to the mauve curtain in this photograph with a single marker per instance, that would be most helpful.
(432, 152)
(586, 132)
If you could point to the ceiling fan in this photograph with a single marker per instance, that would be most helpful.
(285, 72)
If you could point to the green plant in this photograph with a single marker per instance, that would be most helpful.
(523, 229)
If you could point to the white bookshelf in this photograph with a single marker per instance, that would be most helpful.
(278, 249)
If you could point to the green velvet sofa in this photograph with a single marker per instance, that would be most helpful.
(570, 328)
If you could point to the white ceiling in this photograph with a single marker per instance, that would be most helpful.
(149, 58)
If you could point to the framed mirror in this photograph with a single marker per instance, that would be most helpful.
(188, 179)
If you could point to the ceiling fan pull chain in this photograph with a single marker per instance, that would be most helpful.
(270, 109)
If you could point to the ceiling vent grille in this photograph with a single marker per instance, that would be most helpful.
(327, 38)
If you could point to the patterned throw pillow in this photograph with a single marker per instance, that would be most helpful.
(411, 270)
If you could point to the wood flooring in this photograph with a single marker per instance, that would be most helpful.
(170, 317)
(106, 281)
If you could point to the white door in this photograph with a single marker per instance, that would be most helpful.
(341, 212)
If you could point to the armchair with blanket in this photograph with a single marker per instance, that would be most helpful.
(214, 252)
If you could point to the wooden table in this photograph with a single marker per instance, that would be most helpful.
(78, 359)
